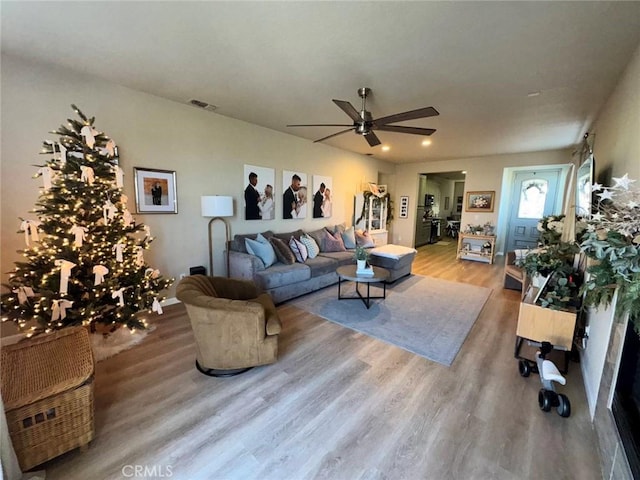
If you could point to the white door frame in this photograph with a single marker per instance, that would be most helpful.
(506, 202)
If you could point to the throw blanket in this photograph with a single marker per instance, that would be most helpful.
(392, 251)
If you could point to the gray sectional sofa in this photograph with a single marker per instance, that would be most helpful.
(283, 281)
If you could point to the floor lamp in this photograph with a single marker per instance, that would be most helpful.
(217, 206)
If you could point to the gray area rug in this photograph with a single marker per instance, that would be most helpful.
(424, 315)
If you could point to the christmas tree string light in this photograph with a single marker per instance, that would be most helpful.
(72, 235)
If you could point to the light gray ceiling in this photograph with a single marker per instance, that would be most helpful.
(275, 63)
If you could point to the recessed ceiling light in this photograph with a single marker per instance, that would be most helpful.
(533, 94)
(386, 148)
(464, 172)
(426, 143)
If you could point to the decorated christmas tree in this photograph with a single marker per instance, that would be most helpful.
(84, 257)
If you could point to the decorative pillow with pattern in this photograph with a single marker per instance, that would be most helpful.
(363, 239)
(312, 247)
(333, 243)
(298, 249)
(283, 252)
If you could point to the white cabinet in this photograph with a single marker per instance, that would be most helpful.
(374, 216)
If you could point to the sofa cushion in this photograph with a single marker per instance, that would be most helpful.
(280, 275)
(286, 236)
(298, 249)
(312, 247)
(260, 247)
(342, 258)
(349, 237)
(238, 245)
(321, 265)
(283, 252)
(333, 243)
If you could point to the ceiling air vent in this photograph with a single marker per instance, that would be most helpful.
(203, 105)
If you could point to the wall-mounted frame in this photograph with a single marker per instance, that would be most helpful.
(404, 206)
(155, 190)
(446, 203)
(480, 201)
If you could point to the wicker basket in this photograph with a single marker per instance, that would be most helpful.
(47, 388)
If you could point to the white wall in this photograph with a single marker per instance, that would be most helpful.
(208, 152)
(616, 152)
(483, 173)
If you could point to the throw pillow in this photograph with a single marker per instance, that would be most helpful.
(319, 236)
(333, 243)
(283, 252)
(312, 247)
(261, 248)
(363, 239)
(349, 237)
(298, 249)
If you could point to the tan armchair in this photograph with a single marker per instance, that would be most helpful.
(235, 326)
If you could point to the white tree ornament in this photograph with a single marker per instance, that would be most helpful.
(119, 173)
(80, 234)
(23, 294)
(89, 133)
(117, 248)
(156, 307)
(119, 295)
(59, 309)
(99, 271)
(87, 174)
(65, 273)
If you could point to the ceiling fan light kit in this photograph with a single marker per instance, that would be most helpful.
(364, 124)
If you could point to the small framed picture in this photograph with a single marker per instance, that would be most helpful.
(155, 190)
(480, 201)
(404, 207)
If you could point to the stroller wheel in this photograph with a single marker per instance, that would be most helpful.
(564, 406)
(545, 400)
(524, 368)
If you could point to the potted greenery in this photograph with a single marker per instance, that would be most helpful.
(362, 257)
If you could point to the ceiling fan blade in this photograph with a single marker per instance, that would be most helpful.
(348, 109)
(333, 135)
(404, 116)
(372, 139)
(322, 125)
(401, 129)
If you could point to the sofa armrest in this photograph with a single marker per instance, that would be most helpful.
(244, 265)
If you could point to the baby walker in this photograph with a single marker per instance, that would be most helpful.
(549, 373)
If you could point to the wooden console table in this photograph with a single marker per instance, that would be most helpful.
(470, 247)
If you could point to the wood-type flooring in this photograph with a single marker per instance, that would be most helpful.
(336, 405)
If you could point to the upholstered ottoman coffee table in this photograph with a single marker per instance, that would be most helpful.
(395, 258)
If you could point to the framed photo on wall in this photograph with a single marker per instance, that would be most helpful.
(404, 206)
(259, 202)
(295, 198)
(155, 190)
(480, 201)
(322, 188)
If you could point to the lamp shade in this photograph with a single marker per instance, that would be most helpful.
(217, 206)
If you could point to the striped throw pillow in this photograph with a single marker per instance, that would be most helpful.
(298, 249)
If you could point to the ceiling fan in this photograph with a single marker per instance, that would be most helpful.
(364, 124)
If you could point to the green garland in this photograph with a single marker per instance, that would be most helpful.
(365, 206)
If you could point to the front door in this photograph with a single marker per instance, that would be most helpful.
(534, 196)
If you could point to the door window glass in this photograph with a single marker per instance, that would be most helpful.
(533, 195)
